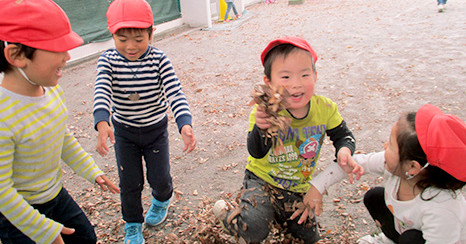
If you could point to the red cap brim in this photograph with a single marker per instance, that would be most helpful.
(61, 44)
(128, 24)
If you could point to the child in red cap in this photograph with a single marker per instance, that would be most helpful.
(135, 85)
(425, 169)
(276, 181)
(35, 36)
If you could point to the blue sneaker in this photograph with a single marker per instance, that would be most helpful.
(158, 212)
(133, 233)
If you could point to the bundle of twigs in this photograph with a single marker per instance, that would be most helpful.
(272, 100)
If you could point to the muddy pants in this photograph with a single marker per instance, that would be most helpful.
(374, 200)
(262, 205)
(131, 145)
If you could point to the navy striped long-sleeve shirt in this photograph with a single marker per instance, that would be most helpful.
(138, 93)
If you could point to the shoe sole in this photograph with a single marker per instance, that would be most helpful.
(143, 241)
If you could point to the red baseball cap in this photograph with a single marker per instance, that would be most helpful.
(443, 139)
(293, 40)
(40, 24)
(129, 14)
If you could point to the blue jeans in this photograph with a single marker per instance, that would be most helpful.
(229, 6)
(131, 145)
(62, 209)
(263, 204)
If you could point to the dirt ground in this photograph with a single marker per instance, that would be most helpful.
(377, 59)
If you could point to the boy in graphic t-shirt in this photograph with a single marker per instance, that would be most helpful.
(277, 179)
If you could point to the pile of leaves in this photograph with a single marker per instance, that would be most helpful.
(272, 100)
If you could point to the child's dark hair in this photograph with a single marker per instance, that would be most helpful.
(281, 50)
(4, 65)
(148, 29)
(410, 149)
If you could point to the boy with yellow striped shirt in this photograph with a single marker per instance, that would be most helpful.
(35, 37)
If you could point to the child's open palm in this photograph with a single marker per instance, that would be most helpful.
(312, 204)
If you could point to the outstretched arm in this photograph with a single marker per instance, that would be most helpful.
(83, 164)
(319, 184)
(372, 162)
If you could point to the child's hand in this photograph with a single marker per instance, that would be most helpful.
(313, 204)
(64, 231)
(105, 131)
(262, 119)
(105, 184)
(347, 163)
(188, 138)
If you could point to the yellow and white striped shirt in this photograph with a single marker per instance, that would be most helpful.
(33, 139)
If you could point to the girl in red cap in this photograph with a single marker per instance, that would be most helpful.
(35, 36)
(425, 169)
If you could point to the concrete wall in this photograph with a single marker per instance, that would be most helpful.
(196, 13)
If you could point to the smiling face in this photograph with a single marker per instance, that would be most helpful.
(295, 72)
(45, 68)
(131, 43)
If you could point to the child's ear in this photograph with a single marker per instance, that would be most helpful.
(414, 167)
(14, 56)
(267, 81)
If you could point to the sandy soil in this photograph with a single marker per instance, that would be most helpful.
(376, 59)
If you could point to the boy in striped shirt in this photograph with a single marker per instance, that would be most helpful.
(135, 85)
(35, 36)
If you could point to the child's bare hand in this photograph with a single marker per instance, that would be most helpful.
(188, 138)
(105, 131)
(313, 204)
(262, 119)
(64, 231)
(105, 184)
(347, 163)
